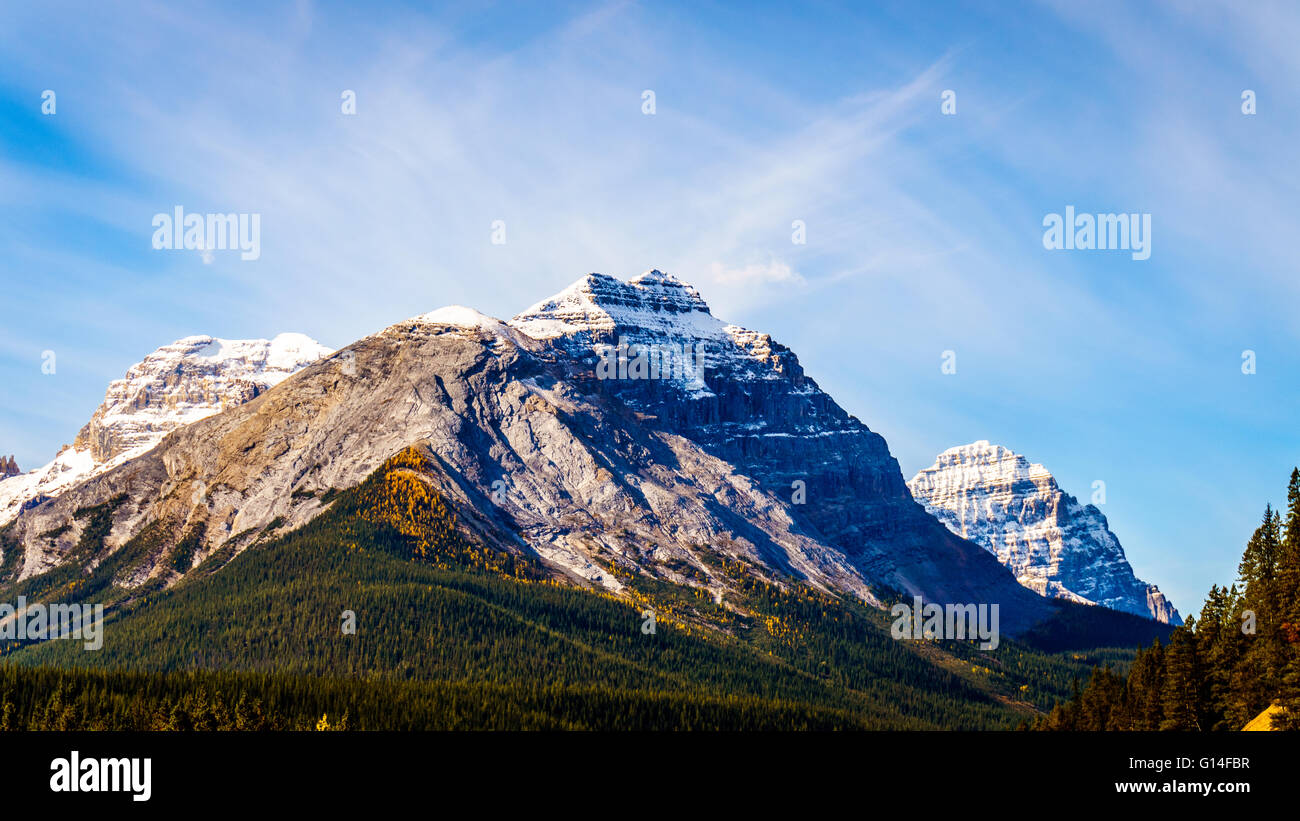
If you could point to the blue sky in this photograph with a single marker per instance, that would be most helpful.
(924, 231)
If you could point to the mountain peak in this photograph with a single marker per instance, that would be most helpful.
(599, 304)
(980, 450)
(1016, 510)
(984, 459)
(656, 277)
(669, 289)
(179, 383)
(461, 316)
(264, 361)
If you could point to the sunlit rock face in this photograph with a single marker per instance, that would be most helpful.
(1054, 545)
(174, 386)
(754, 407)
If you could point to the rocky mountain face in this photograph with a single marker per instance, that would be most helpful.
(1054, 545)
(553, 438)
(8, 467)
(174, 386)
(743, 397)
(530, 462)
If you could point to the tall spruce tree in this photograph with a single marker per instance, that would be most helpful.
(1216, 647)
(1145, 689)
(1257, 676)
(1289, 605)
(1183, 681)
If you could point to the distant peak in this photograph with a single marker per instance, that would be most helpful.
(289, 349)
(1018, 512)
(180, 383)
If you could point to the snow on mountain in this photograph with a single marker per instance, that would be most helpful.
(655, 313)
(652, 304)
(540, 447)
(174, 386)
(1054, 545)
(744, 398)
(462, 316)
(529, 461)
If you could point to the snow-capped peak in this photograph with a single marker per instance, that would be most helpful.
(982, 461)
(1016, 510)
(461, 316)
(658, 312)
(471, 324)
(265, 362)
(599, 304)
(176, 385)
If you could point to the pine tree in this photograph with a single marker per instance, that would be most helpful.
(1144, 690)
(1259, 567)
(1101, 702)
(1288, 639)
(1257, 675)
(1183, 681)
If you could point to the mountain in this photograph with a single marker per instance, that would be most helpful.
(452, 634)
(9, 467)
(743, 398)
(1054, 546)
(176, 385)
(541, 456)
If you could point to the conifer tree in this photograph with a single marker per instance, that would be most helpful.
(1145, 689)
(1183, 682)
(1288, 639)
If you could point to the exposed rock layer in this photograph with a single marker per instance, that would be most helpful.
(174, 386)
(1054, 545)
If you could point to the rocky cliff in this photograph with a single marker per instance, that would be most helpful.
(176, 385)
(1054, 545)
(744, 398)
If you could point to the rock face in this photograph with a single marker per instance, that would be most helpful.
(174, 386)
(744, 398)
(546, 445)
(1053, 545)
(530, 463)
(8, 467)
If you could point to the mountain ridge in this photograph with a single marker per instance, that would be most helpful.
(729, 448)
